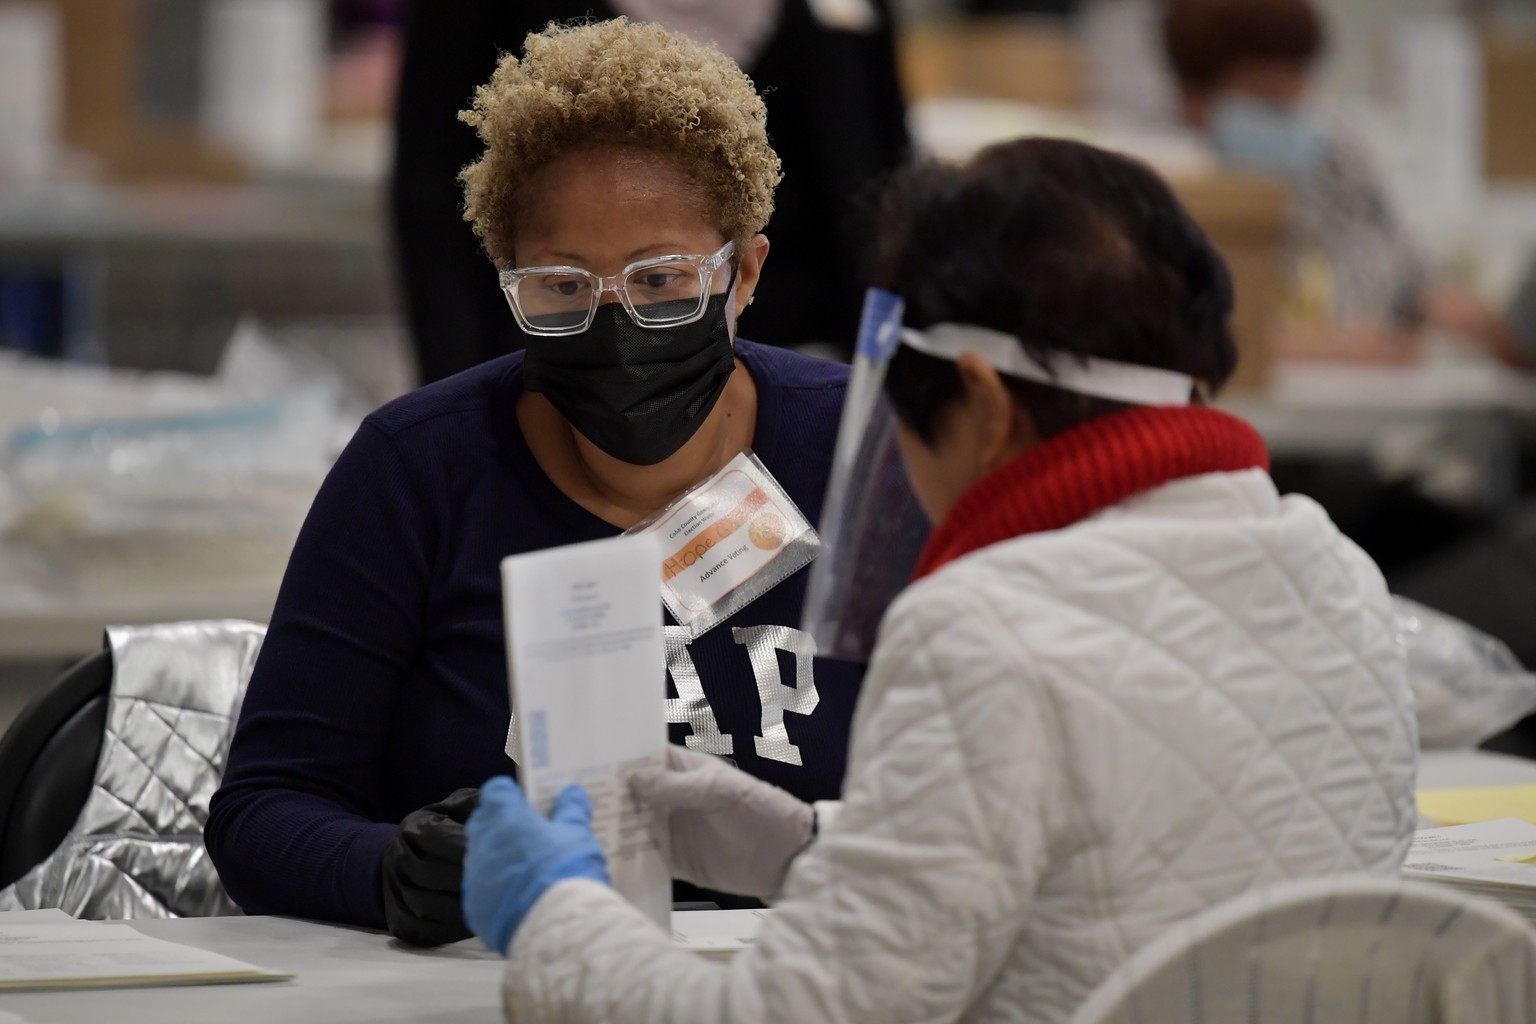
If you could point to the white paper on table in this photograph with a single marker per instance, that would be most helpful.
(587, 666)
(717, 934)
(10, 917)
(1483, 852)
(42, 953)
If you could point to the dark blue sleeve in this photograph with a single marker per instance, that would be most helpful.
(297, 827)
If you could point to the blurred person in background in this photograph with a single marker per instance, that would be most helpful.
(1245, 70)
(625, 180)
(1130, 680)
(1025, 7)
(830, 84)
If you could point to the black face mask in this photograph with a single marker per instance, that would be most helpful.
(637, 393)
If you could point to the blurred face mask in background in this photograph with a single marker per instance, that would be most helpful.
(1255, 135)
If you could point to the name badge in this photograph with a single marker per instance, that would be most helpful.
(727, 542)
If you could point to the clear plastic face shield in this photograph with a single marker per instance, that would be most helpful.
(871, 524)
(872, 528)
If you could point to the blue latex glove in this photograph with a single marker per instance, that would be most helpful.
(514, 854)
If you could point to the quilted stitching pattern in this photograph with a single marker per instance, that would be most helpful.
(156, 773)
(1067, 742)
(136, 849)
(1286, 754)
(1348, 948)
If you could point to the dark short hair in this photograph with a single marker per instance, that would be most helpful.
(1205, 39)
(1063, 246)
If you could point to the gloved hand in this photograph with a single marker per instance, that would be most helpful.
(515, 854)
(730, 831)
(423, 866)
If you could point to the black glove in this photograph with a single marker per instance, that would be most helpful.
(424, 872)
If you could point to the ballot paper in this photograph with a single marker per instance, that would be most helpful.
(46, 952)
(717, 934)
(586, 661)
(1495, 859)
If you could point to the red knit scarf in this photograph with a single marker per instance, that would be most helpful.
(1088, 468)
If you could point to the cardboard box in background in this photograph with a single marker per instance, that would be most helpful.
(106, 63)
(1035, 60)
(1509, 103)
(1246, 219)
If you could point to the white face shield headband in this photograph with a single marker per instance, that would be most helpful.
(1082, 375)
(871, 523)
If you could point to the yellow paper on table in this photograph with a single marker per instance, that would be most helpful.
(1480, 803)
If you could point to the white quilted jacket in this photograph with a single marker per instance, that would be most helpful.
(1065, 742)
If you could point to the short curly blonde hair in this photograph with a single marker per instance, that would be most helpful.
(619, 82)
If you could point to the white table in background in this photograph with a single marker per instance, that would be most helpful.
(341, 975)
(1454, 769)
(62, 628)
(1328, 408)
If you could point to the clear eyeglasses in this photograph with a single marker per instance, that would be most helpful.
(664, 291)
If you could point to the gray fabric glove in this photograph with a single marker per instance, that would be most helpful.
(729, 830)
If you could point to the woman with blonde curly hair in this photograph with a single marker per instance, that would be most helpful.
(625, 182)
(829, 81)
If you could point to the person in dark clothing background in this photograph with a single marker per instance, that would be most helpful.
(836, 116)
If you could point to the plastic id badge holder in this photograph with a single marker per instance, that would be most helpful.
(727, 542)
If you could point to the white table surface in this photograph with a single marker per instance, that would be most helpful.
(344, 974)
(341, 974)
(1457, 768)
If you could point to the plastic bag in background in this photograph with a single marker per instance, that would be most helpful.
(210, 498)
(355, 367)
(125, 483)
(1467, 684)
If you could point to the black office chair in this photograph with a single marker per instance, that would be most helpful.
(47, 761)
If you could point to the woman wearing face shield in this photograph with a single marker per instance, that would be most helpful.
(624, 184)
(1130, 680)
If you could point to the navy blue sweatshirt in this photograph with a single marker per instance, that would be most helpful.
(382, 683)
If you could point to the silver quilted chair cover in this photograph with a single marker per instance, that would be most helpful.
(137, 848)
(1347, 950)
